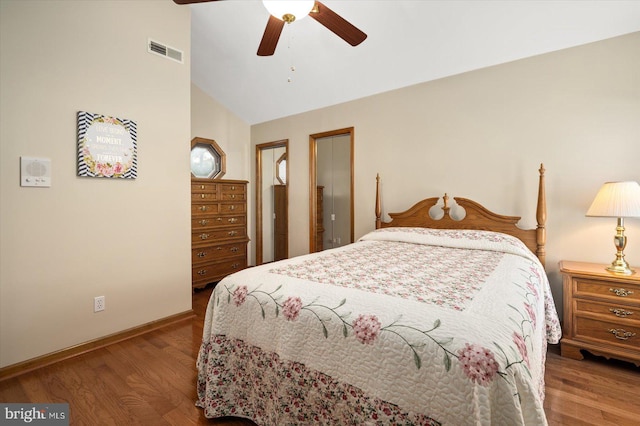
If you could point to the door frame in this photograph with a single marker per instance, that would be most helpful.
(259, 148)
(313, 181)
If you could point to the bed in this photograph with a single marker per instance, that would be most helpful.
(419, 322)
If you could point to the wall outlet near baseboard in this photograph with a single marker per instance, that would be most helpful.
(98, 304)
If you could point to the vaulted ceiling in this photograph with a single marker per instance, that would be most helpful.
(409, 42)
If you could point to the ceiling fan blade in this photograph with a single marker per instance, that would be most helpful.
(191, 1)
(336, 23)
(270, 37)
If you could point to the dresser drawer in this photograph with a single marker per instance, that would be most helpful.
(218, 252)
(240, 207)
(616, 312)
(608, 332)
(233, 196)
(207, 236)
(204, 196)
(199, 209)
(611, 290)
(200, 187)
(216, 271)
(232, 188)
(217, 221)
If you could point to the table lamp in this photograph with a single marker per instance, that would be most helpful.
(619, 200)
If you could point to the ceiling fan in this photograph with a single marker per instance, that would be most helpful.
(290, 10)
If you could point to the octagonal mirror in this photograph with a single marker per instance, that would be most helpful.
(208, 161)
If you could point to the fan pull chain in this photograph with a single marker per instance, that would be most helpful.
(292, 67)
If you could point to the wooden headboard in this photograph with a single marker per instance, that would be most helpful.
(477, 217)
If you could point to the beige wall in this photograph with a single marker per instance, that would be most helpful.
(211, 120)
(482, 135)
(125, 239)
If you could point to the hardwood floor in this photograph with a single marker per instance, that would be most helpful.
(150, 380)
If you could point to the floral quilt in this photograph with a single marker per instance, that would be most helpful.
(407, 326)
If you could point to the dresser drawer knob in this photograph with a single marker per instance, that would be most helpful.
(622, 292)
(202, 272)
(203, 208)
(219, 219)
(202, 254)
(234, 249)
(201, 186)
(203, 222)
(621, 334)
(233, 188)
(233, 220)
(204, 236)
(235, 266)
(232, 233)
(620, 312)
(232, 207)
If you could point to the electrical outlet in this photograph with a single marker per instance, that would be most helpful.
(98, 304)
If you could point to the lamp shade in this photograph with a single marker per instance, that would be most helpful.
(617, 199)
(297, 9)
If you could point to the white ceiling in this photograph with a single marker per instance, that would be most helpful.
(409, 42)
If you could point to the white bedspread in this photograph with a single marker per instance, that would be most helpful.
(406, 326)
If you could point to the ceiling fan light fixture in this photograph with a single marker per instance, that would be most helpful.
(289, 10)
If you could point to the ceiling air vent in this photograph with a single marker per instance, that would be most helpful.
(166, 51)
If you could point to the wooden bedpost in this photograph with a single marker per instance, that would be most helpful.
(541, 218)
(378, 205)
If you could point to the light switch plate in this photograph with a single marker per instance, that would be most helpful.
(35, 171)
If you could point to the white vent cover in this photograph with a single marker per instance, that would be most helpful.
(166, 51)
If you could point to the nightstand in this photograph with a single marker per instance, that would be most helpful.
(601, 312)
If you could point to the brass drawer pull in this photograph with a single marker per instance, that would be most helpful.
(219, 219)
(202, 254)
(232, 207)
(201, 186)
(232, 233)
(218, 248)
(235, 266)
(233, 188)
(201, 195)
(620, 312)
(234, 249)
(621, 334)
(622, 292)
(203, 208)
(202, 272)
(204, 236)
(203, 222)
(233, 196)
(233, 220)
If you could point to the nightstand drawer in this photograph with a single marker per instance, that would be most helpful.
(611, 333)
(627, 292)
(610, 311)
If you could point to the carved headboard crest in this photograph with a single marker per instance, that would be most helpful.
(476, 217)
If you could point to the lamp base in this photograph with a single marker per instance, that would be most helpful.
(621, 268)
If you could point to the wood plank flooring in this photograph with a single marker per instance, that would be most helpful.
(150, 380)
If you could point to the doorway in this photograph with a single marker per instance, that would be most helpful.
(331, 189)
(272, 189)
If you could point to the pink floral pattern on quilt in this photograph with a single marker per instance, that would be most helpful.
(429, 274)
(247, 382)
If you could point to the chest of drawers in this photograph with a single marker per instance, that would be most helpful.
(601, 312)
(218, 229)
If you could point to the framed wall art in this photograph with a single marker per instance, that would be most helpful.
(106, 146)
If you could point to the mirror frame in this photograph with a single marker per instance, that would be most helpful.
(259, 148)
(313, 181)
(214, 145)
